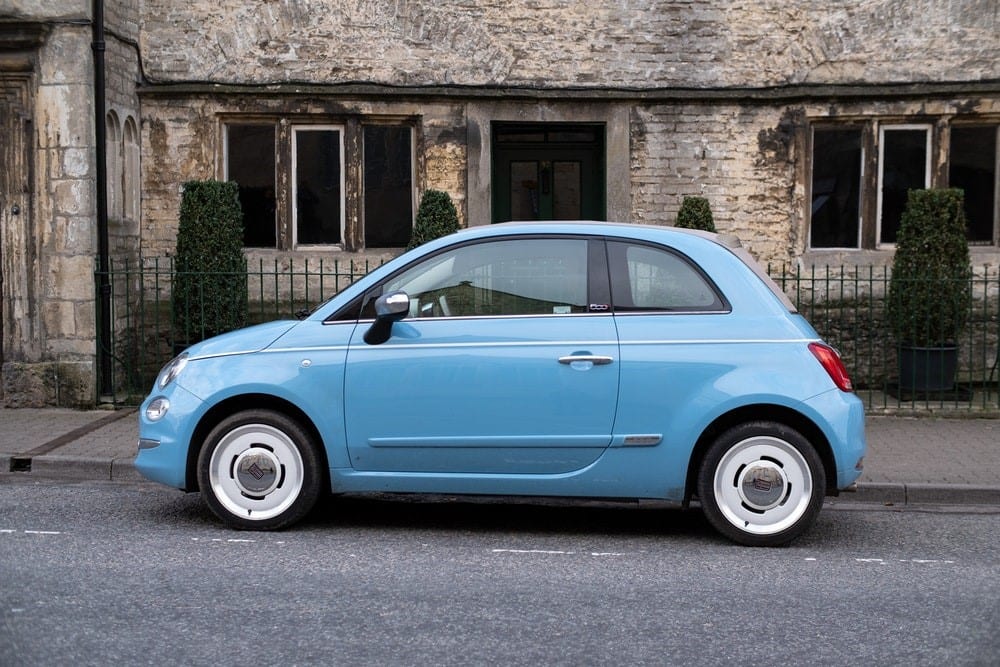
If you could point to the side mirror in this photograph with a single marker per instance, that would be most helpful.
(389, 308)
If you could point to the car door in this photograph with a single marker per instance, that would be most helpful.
(672, 324)
(506, 364)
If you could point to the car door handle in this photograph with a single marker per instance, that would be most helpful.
(595, 359)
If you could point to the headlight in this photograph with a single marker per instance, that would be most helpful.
(157, 409)
(172, 370)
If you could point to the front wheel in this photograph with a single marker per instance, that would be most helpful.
(259, 470)
(761, 484)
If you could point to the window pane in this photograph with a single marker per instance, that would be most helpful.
(566, 191)
(836, 188)
(250, 162)
(645, 278)
(973, 158)
(524, 190)
(904, 168)
(388, 186)
(522, 277)
(317, 186)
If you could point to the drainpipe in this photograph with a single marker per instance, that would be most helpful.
(104, 280)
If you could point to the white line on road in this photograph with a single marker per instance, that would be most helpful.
(553, 552)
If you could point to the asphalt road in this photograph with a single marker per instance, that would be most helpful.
(96, 574)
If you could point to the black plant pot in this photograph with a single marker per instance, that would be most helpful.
(927, 368)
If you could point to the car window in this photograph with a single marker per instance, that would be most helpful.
(645, 278)
(533, 276)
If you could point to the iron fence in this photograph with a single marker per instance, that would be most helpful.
(846, 305)
(144, 335)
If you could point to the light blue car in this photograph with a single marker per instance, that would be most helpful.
(546, 359)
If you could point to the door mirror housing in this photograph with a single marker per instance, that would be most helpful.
(389, 308)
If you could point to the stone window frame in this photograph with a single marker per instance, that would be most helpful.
(113, 145)
(352, 232)
(131, 189)
(872, 129)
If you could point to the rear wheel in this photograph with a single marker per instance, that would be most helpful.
(761, 484)
(260, 470)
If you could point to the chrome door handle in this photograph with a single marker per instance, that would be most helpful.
(597, 360)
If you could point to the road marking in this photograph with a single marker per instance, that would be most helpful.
(883, 561)
(42, 532)
(230, 540)
(556, 552)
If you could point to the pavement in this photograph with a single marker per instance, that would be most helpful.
(910, 461)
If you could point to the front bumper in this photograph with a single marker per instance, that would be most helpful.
(164, 444)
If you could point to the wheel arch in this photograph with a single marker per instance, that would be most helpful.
(762, 412)
(239, 403)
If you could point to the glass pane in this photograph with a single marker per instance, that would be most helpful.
(973, 158)
(566, 191)
(578, 135)
(836, 188)
(524, 190)
(250, 162)
(521, 277)
(645, 278)
(388, 186)
(904, 168)
(510, 137)
(317, 186)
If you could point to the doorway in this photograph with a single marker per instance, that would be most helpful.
(548, 171)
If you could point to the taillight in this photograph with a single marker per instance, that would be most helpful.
(833, 364)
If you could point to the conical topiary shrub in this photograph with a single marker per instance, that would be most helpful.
(695, 213)
(436, 217)
(209, 292)
(930, 292)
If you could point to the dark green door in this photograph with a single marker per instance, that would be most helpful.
(548, 172)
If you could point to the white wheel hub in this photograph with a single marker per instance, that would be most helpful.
(256, 471)
(763, 485)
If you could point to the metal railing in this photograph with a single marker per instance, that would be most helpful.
(144, 336)
(847, 307)
(845, 304)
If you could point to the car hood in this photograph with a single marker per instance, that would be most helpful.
(242, 341)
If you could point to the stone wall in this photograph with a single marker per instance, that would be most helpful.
(49, 348)
(640, 44)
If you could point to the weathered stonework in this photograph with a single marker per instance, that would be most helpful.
(49, 249)
(643, 44)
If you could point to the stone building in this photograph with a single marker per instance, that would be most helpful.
(802, 123)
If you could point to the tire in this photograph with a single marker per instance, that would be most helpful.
(761, 484)
(260, 470)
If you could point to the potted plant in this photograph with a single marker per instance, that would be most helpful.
(436, 217)
(209, 291)
(695, 213)
(930, 290)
